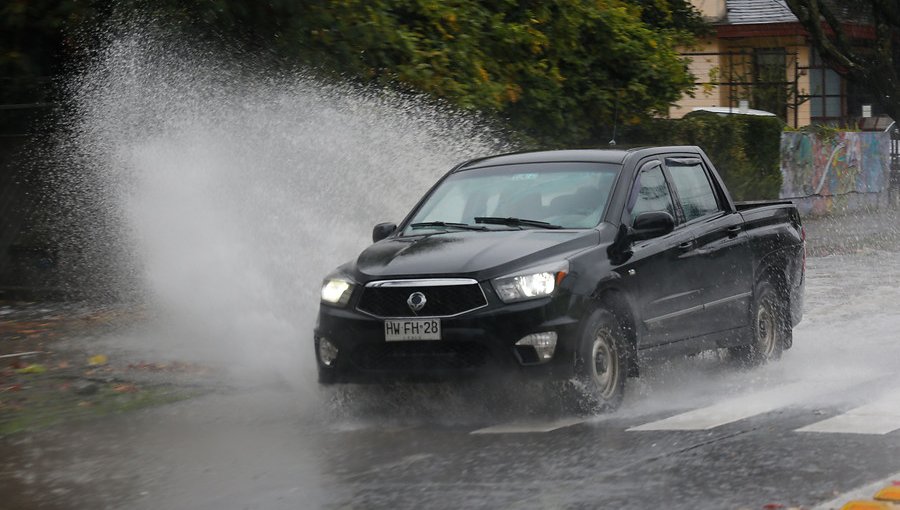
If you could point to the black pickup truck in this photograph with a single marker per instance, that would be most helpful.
(566, 265)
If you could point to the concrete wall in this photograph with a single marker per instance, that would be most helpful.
(845, 172)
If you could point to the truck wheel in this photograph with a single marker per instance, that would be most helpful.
(768, 329)
(600, 365)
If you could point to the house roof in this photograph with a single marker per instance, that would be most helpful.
(749, 12)
(754, 12)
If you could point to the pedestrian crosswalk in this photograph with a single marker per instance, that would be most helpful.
(722, 413)
(881, 416)
(876, 416)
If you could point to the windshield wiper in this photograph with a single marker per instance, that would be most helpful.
(514, 222)
(447, 224)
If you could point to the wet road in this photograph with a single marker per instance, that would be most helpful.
(696, 433)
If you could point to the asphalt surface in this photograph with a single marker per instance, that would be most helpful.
(692, 433)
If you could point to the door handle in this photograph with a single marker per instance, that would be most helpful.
(736, 229)
(687, 246)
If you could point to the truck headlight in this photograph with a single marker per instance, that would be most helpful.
(530, 284)
(336, 291)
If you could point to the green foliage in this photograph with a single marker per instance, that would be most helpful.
(35, 37)
(560, 71)
(745, 149)
(825, 132)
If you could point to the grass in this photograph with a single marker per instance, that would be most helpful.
(45, 402)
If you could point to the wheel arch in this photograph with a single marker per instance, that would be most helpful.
(778, 279)
(776, 267)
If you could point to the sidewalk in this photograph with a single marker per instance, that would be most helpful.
(51, 372)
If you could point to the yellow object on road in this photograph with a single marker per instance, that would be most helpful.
(868, 505)
(97, 360)
(890, 493)
(887, 498)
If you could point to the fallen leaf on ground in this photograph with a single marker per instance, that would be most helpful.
(98, 360)
(32, 369)
(62, 364)
(85, 403)
(14, 387)
(12, 406)
(125, 388)
(86, 387)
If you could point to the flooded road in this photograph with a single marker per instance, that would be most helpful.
(226, 195)
(696, 433)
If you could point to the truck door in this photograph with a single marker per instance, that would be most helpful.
(658, 270)
(721, 252)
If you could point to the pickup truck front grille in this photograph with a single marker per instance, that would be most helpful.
(419, 356)
(443, 298)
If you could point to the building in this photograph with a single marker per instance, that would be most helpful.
(759, 56)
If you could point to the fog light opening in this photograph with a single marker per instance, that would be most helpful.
(544, 344)
(328, 352)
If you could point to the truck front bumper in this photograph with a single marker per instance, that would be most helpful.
(474, 345)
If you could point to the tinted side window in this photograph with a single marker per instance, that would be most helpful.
(694, 190)
(650, 193)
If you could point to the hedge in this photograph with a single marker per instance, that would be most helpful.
(744, 148)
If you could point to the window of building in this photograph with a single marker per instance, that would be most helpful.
(770, 85)
(826, 92)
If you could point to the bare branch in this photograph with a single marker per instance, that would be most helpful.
(809, 13)
(871, 64)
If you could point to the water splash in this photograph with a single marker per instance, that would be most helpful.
(225, 191)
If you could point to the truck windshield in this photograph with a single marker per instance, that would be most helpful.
(569, 195)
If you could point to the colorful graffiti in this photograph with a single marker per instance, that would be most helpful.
(844, 170)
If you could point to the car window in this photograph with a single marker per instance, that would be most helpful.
(568, 194)
(695, 194)
(650, 193)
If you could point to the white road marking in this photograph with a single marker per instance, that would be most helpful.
(529, 427)
(741, 407)
(879, 417)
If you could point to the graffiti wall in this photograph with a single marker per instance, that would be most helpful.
(844, 171)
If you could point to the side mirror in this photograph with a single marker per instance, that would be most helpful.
(651, 224)
(383, 230)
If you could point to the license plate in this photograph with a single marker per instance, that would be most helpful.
(398, 330)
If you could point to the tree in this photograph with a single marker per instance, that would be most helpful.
(561, 71)
(873, 65)
(35, 38)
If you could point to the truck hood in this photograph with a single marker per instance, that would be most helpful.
(483, 254)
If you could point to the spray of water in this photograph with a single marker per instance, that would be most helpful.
(228, 191)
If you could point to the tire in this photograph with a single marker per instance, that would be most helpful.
(601, 366)
(768, 327)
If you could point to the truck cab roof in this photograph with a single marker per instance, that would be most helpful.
(618, 156)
